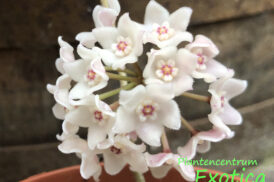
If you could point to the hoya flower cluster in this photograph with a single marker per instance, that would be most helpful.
(146, 105)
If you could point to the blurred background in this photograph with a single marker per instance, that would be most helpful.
(242, 29)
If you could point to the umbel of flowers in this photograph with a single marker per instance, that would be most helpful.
(145, 105)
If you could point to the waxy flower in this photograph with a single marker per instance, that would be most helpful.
(164, 29)
(171, 66)
(122, 151)
(161, 163)
(66, 55)
(121, 45)
(206, 67)
(90, 166)
(90, 76)
(201, 142)
(147, 110)
(94, 114)
(222, 113)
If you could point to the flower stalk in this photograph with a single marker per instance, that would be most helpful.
(166, 148)
(116, 91)
(127, 71)
(196, 97)
(188, 126)
(121, 77)
(139, 177)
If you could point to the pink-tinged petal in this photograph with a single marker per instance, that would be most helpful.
(69, 128)
(104, 16)
(73, 145)
(208, 78)
(175, 40)
(234, 87)
(59, 65)
(157, 160)
(90, 166)
(96, 134)
(169, 115)
(125, 121)
(137, 162)
(215, 68)
(217, 86)
(76, 70)
(179, 19)
(217, 122)
(106, 36)
(86, 53)
(80, 116)
(230, 115)
(133, 30)
(186, 171)
(113, 163)
(160, 172)
(59, 111)
(87, 39)
(99, 68)
(189, 150)
(115, 5)
(155, 13)
(150, 133)
(102, 106)
(182, 83)
(186, 61)
(131, 98)
(209, 48)
(66, 51)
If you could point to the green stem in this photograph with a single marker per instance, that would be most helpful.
(197, 97)
(127, 71)
(116, 91)
(120, 77)
(139, 177)
(104, 3)
(188, 126)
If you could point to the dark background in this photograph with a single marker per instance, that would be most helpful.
(242, 29)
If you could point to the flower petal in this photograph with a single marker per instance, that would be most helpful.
(217, 122)
(150, 133)
(106, 36)
(73, 145)
(87, 39)
(125, 121)
(182, 83)
(234, 87)
(131, 98)
(80, 116)
(104, 16)
(180, 18)
(96, 134)
(157, 160)
(155, 13)
(160, 172)
(113, 163)
(170, 115)
(76, 70)
(59, 111)
(137, 162)
(90, 167)
(230, 115)
(215, 68)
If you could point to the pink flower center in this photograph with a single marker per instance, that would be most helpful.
(162, 30)
(98, 115)
(122, 45)
(91, 75)
(222, 101)
(167, 69)
(148, 110)
(115, 150)
(201, 59)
